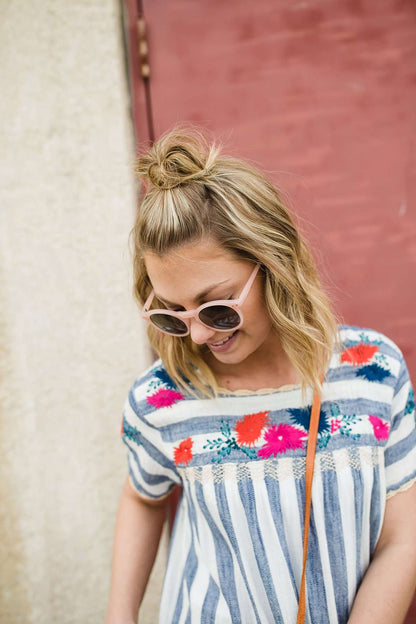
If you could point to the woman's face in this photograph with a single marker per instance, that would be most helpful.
(197, 273)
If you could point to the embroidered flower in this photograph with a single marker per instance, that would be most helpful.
(301, 416)
(249, 428)
(130, 433)
(226, 443)
(164, 378)
(373, 372)
(279, 439)
(182, 454)
(359, 354)
(380, 427)
(410, 404)
(164, 397)
(335, 425)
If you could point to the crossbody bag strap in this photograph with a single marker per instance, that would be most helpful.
(310, 461)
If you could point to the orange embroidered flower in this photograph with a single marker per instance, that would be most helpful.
(359, 354)
(249, 428)
(182, 454)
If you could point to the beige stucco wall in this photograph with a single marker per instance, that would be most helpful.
(71, 341)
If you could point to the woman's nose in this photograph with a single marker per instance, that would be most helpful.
(200, 333)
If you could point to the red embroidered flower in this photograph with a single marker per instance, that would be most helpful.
(122, 427)
(249, 428)
(281, 438)
(335, 425)
(183, 452)
(380, 427)
(164, 398)
(359, 354)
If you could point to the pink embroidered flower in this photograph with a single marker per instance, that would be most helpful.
(279, 439)
(122, 427)
(164, 397)
(359, 354)
(380, 427)
(335, 425)
(248, 429)
(183, 453)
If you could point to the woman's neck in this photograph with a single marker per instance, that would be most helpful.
(266, 368)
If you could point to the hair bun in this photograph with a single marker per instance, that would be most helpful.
(177, 158)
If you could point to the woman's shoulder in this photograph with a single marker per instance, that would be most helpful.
(154, 378)
(154, 388)
(362, 337)
(367, 354)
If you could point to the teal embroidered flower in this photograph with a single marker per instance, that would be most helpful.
(410, 405)
(127, 431)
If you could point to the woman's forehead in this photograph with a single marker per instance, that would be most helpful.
(203, 256)
(192, 271)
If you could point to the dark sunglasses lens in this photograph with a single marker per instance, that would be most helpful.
(169, 324)
(220, 317)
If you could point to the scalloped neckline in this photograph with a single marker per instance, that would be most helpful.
(245, 392)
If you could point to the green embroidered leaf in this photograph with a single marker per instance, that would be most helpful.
(323, 439)
(347, 423)
(365, 338)
(131, 432)
(410, 405)
(335, 411)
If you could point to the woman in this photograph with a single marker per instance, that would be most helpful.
(247, 343)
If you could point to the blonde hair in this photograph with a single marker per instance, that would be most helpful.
(191, 192)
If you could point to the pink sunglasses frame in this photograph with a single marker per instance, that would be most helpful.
(235, 304)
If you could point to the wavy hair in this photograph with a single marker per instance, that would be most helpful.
(190, 192)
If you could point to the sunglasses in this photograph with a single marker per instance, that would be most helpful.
(221, 315)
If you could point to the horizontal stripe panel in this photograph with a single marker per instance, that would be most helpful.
(370, 391)
(398, 452)
(159, 487)
(402, 395)
(401, 471)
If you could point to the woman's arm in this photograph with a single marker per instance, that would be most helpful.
(137, 534)
(390, 581)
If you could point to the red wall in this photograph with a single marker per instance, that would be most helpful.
(323, 96)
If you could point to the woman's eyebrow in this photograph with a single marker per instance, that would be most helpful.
(200, 296)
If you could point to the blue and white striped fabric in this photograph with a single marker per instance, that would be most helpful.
(236, 549)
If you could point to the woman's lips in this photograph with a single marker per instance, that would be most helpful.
(225, 345)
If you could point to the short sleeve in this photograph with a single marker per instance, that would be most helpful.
(152, 474)
(400, 451)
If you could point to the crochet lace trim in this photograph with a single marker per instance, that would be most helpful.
(282, 468)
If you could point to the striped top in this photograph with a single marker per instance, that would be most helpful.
(236, 549)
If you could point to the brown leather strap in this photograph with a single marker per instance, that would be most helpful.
(310, 461)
